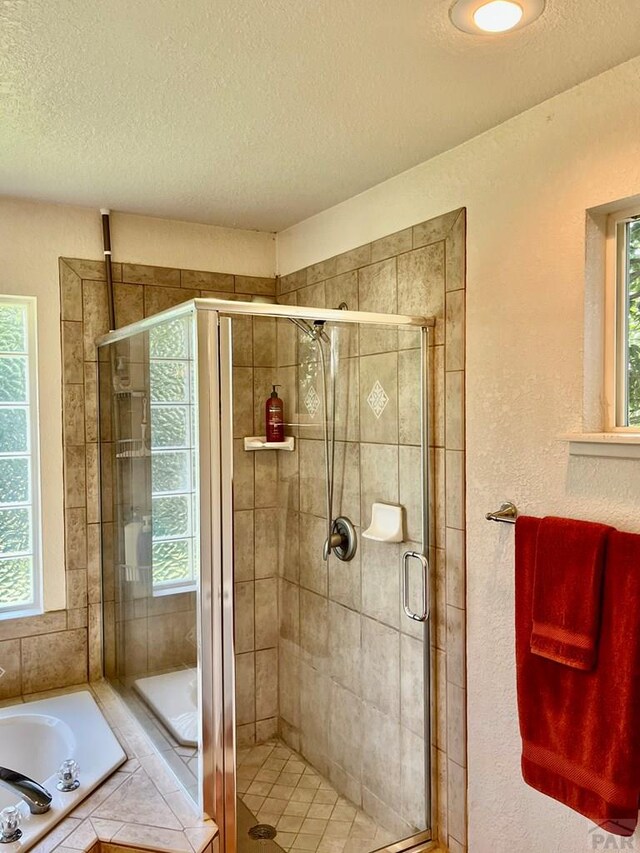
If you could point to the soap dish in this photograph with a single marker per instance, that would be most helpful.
(259, 442)
(386, 523)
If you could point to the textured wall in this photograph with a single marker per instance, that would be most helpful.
(526, 186)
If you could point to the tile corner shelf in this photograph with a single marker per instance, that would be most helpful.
(259, 442)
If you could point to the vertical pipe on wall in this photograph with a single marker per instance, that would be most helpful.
(106, 243)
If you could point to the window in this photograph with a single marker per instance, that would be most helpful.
(20, 553)
(623, 379)
(173, 463)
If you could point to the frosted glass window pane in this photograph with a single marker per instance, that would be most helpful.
(169, 426)
(19, 560)
(16, 581)
(13, 328)
(169, 381)
(171, 561)
(170, 472)
(170, 340)
(13, 380)
(171, 386)
(14, 431)
(15, 531)
(14, 481)
(171, 516)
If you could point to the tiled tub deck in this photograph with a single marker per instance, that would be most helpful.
(140, 807)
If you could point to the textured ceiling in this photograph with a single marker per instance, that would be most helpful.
(260, 113)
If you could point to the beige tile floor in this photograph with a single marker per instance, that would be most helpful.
(282, 789)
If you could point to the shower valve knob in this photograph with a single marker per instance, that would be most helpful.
(331, 544)
(10, 825)
(68, 776)
(343, 541)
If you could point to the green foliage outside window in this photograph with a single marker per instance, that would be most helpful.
(633, 285)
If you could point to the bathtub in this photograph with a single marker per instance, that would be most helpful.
(36, 737)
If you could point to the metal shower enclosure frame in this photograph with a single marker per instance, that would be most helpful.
(213, 356)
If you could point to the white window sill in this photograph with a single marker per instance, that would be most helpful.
(619, 445)
(21, 613)
(178, 589)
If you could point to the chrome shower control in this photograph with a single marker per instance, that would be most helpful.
(68, 776)
(10, 825)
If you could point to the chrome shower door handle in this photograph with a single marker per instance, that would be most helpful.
(424, 571)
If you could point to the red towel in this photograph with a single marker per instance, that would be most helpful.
(581, 730)
(567, 590)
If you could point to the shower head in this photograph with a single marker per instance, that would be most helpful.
(314, 331)
(319, 332)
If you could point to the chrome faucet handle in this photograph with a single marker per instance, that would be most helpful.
(10, 825)
(68, 776)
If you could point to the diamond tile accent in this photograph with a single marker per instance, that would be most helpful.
(312, 401)
(377, 399)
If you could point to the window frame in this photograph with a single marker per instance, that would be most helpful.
(13, 611)
(616, 323)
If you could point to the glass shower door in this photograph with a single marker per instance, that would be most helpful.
(150, 535)
(331, 656)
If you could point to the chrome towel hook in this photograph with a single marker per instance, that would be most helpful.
(507, 513)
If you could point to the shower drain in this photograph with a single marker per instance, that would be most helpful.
(262, 831)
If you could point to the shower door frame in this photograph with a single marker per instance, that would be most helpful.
(423, 838)
(212, 327)
(217, 736)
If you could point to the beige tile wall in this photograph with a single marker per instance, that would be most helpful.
(160, 634)
(62, 648)
(255, 534)
(346, 655)
(355, 663)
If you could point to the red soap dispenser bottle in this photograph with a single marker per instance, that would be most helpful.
(274, 411)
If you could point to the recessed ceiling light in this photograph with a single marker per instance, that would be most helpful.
(488, 17)
(498, 16)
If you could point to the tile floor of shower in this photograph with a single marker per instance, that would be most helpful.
(282, 789)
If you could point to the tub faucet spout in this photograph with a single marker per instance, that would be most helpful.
(35, 796)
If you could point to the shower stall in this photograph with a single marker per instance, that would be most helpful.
(272, 635)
